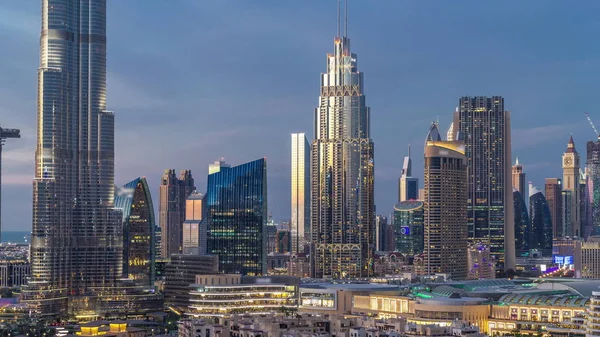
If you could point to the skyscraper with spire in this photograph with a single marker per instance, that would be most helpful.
(77, 235)
(518, 178)
(408, 187)
(342, 203)
(572, 216)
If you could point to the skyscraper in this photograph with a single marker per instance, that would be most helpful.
(173, 194)
(522, 223)
(300, 191)
(139, 256)
(518, 178)
(77, 234)
(554, 199)
(342, 203)
(570, 181)
(194, 226)
(381, 224)
(408, 187)
(236, 209)
(593, 189)
(485, 126)
(408, 227)
(445, 212)
(540, 234)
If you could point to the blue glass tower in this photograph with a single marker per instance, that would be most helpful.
(139, 253)
(236, 201)
(540, 234)
(408, 227)
(521, 222)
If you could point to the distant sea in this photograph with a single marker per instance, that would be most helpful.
(16, 237)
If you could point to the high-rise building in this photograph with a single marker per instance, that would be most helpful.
(381, 223)
(571, 182)
(518, 178)
(408, 187)
(554, 199)
(481, 262)
(180, 273)
(173, 194)
(342, 201)
(138, 231)
(77, 235)
(540, 233)
(445, 206)
(408, 227)
(300, 191)
(194, 226)
(485, 127)
(522, 223)
(236, 214)
(593, 189)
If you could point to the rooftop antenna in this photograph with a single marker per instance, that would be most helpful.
(339, 18)
(408, 150)
(346, 19)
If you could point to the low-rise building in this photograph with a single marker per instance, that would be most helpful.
(224, 295)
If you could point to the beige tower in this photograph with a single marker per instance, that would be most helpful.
(445, 206)
(572, 214)
(518, 178)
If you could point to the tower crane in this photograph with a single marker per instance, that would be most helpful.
(592, 124)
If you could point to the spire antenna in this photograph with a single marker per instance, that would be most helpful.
(339, 14)
(408, 150)
(346, 19)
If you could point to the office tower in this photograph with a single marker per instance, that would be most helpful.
(271, 237)
(522, 223)
(421, 194)
(554, 199)
(408, 187)
(485, 126)
(583, 200)
(180, 273)
(300, 191)
(518, 178)
(342, 201)
(445, 203)
(236, 211)
(381, 223)
(77, 235)
(4, 135)
(408, 227)
(540, 234)
(194, 228)
(593, 189)
(173, 194)
(481, 262)
(139, 257)
(570, 164)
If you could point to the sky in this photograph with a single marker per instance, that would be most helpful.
(193, 81)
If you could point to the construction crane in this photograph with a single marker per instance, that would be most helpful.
(592, 124)
(4, 135)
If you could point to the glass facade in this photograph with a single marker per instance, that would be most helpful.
(138, 231)
(342, 159)
(408, 227)
(171, 210)
(300, 191)
(236, 203)
(485, 126)
(77, 234)
(540, 232)
(521, 223)
(593, 189)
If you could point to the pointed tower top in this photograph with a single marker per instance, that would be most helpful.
(517, 162)
(434, 134)
(571, 145)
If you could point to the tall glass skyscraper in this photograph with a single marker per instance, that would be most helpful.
(76, 245)
(408, 227)
(236, 204)
(540, 233)
(593, 189)
(342, 203)
(521, 223)
(485, 126)
(408, 187)
(139, 253)
(300, 191)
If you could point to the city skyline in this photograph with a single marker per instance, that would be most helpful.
(130, 97)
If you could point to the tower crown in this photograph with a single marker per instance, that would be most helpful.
(571, 146)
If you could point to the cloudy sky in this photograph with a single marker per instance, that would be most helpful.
(192, 81)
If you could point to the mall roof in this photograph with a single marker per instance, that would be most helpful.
(561, 301)
(351, 286)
